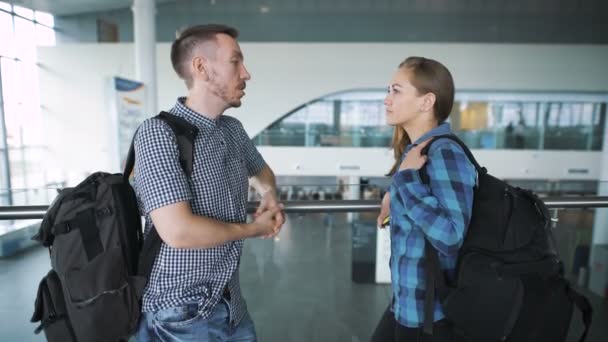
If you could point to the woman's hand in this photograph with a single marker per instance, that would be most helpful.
(415, 160)
(384, 209)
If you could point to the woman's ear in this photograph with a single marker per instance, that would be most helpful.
(428, 102)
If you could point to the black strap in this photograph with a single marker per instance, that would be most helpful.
(582, 303)
(436, 285)
(185, 133)
(435, 279)
(130, 163)
(429, 294)
(148, 254)
(86, 223)
(423, 174)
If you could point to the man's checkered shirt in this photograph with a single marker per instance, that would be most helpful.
(439, 211)
(224, 159)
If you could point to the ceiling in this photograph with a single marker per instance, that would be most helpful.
(71, 7)
(512, 7)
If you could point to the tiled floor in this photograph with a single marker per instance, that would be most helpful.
(298, 288)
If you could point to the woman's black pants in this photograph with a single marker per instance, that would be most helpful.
(389, 330)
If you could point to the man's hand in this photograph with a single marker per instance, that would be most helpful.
(269, 201)
(414, 159)
(266, 223)
(384, 210)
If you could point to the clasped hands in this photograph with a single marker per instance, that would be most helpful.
(269, 215)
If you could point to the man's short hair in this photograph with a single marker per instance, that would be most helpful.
(188, 39)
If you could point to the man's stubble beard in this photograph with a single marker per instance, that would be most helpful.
(221, 91)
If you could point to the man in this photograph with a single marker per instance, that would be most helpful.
(193, 292)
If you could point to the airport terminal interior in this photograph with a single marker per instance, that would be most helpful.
(78, 77)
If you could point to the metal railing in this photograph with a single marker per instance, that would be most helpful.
(329, 206)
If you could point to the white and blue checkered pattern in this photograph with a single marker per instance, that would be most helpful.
(224, 159)
(439, 211)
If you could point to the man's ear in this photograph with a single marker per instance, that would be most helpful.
(200, 67)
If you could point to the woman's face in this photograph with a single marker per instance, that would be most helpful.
(402, 101)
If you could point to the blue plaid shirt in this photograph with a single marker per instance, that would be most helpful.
(439, 211)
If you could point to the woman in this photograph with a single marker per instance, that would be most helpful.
(419, 100)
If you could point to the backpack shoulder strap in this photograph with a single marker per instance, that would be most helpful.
(583, 304)
(424, 175)
(436, 285)
(185, 133)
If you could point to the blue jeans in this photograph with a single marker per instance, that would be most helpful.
(184, 323)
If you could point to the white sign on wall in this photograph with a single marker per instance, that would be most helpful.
(129, 99)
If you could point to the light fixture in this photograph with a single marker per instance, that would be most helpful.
(264, 9)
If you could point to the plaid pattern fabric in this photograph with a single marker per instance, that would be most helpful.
(439, 211)
(224, 159)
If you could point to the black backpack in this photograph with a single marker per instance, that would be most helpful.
(509, 283)
(100, 262)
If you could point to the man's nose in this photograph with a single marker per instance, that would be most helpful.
(245, 74)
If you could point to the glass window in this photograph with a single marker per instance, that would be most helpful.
(24, 39)
(7, 47)
(570, 126)
(24, 12)
(45, 18)
(318, 113)
(45, 36)
(486, 120)
(5, 6)
(9, 79)
(21, 97)
(11, 88)
(355, 114)
(29, 120)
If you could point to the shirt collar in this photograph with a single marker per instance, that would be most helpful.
(180, 109)
(442, 129)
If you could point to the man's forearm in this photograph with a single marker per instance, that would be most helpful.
(203, 232)
(264, 181)
(178, 227)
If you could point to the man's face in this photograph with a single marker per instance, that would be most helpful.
(227, 73)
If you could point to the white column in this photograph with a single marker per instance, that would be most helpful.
(353, 190)
(144, 29)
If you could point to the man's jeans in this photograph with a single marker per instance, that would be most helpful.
(184, 323)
